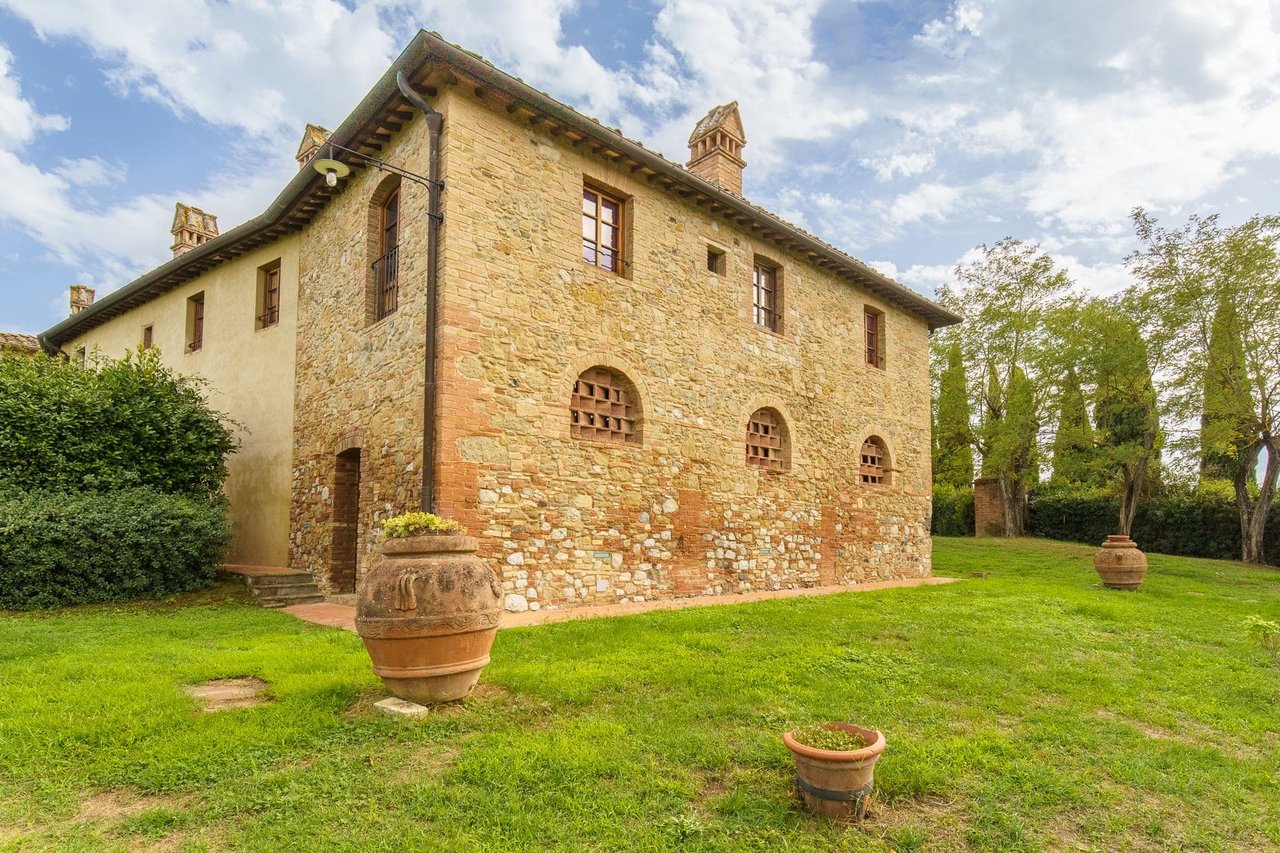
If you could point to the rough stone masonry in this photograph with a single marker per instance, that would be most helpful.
(572, 521)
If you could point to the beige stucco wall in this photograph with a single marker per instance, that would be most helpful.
(251, 378)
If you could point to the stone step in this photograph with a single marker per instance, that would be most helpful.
(272, 581)
(304, 587)
(275, 586)
(275, 603)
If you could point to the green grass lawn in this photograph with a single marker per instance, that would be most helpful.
(1026, 709)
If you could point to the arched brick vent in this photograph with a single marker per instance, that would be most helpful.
(874, 467)
(767, 440)
(604, 406)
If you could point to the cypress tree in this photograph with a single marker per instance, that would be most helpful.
(1073, 445)
(953, 450)
(1226, 414)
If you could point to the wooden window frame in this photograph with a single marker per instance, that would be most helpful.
(148, 336)
(268, 301)
(873, 328)
(592, 243)
(767, 443)
(873, 463)
(195, 322)
(605, 407)
(766, 295)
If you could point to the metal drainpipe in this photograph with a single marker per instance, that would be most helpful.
(435, 121)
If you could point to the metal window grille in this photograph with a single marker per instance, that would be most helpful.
(873, 470)
(270, 299)
(602, 408)
(602, 230)
(764, 296)
(386, 282)
(386, 269)
(764, 440)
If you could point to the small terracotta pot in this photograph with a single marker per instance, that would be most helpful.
(428, 615)
(837, 783)
(1120, 564)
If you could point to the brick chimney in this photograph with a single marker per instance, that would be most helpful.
(81, 298)
(191, 227)
(715, 148)
(312, 138)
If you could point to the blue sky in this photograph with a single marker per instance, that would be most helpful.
(904, 132)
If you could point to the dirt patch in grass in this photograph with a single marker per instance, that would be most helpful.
(112, 806)
(917, 823)
(227, 694)
(428, 762)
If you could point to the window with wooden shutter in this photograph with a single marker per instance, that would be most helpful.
(269, 296)
(386, 269)
(604, 406)
(874, 321)
(195, 323)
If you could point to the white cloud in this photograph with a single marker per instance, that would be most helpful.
(900, 164)
(19, 121)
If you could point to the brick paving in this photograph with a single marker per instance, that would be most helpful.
(344, 617)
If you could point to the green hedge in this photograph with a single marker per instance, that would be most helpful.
(116, 425)
(58, 548)
(1197, 523)
(952, 511)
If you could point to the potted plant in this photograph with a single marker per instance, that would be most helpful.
(1120, 564)
(429, 611)
(835, 767)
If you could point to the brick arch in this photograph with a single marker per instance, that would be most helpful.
(563, 388)
(885, 456)
(785, 421)
(793, 454)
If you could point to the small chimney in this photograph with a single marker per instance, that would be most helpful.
(312, 138)
(81, 298)
(191, 227)
(715, 148)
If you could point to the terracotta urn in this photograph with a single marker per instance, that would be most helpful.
(837, 783)
(1120, 564)
(428, 615)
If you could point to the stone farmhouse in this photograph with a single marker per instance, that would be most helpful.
(623, 377)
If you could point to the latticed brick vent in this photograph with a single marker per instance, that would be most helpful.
(874, 469)
(604, 407)
(765, 440)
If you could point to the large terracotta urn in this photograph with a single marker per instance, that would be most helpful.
(428, 615)
(837, 783)
(1120, 564)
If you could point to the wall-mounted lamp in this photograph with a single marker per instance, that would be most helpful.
(332, 170)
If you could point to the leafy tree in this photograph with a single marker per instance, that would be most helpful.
(1193, 279)
(1010, 442)
(953, 435)
(1073, 450)
(1125, 409)
(1007, 295)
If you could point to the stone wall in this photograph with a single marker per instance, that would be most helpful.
(575, 522)
(572, 521)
